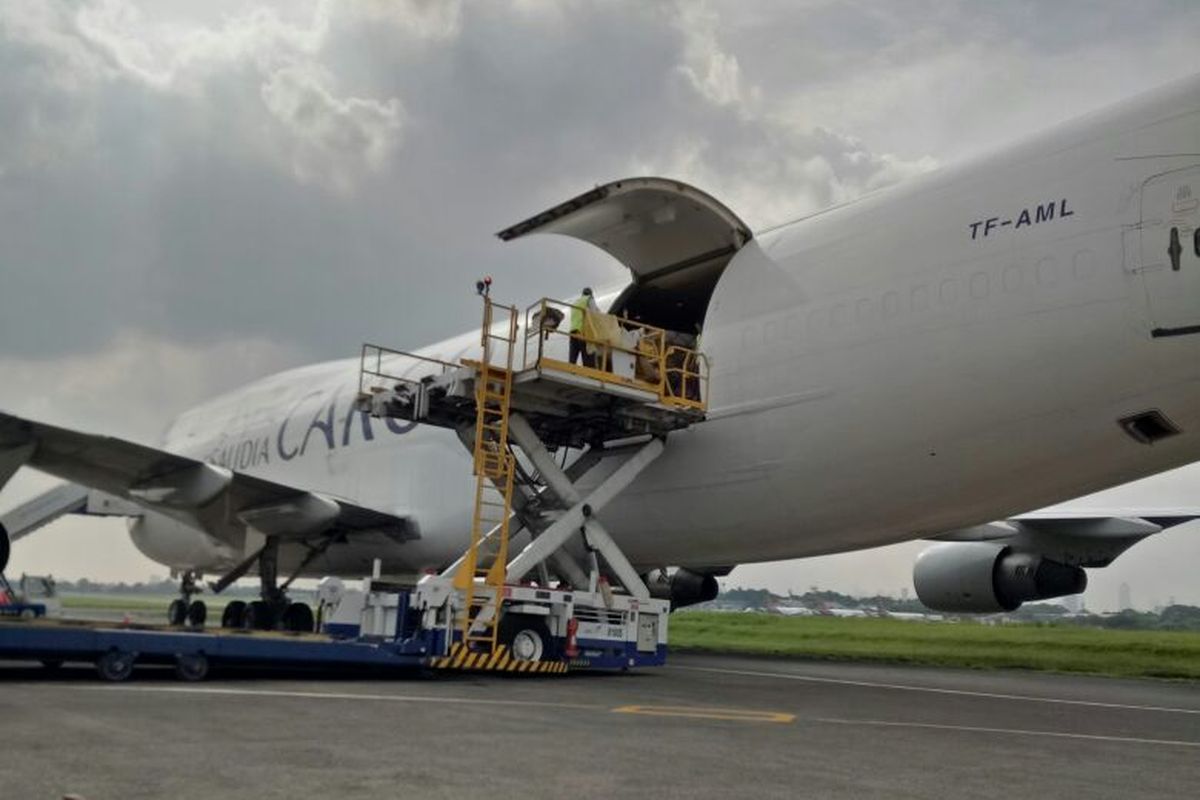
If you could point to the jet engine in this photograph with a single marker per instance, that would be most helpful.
(682, 587)
(5, 548)
(986, 577)
(177, 545)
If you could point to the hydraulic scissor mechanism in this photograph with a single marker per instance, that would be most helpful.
(518, 404)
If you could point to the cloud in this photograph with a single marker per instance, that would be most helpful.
(327, 131)
(135, 383)
(264, 171)
(710, 70)
(256, 82)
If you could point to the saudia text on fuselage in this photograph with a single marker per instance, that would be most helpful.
(312, 421)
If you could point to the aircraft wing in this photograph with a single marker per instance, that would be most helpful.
(1085, 538)
(222, 501)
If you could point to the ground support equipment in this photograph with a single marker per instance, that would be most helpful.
(377, 626)
(538, 551)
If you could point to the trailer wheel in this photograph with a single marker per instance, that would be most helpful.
(191, 667)
(176, 612)
(115, 665)
(197, 613)
(234, 615)
(527, 636)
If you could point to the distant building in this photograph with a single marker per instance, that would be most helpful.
(1124, 598)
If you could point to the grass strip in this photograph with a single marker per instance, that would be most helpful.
(1051, 647)
(105, 602)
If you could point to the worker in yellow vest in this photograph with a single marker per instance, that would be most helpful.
(579, 309)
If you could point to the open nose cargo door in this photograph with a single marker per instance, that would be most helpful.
(675, 240)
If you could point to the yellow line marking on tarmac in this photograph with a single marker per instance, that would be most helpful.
(879, 723)
(936, 690)
(394, 698)
(732, 714)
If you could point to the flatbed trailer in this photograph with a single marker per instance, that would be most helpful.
(389, 628)
(115, 650)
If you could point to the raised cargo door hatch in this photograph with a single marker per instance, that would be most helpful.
(674, 239)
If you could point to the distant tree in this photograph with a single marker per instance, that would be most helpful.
(1180, 618)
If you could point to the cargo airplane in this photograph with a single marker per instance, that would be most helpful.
(929, 361)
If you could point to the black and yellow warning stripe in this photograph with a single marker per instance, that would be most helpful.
(498, 660)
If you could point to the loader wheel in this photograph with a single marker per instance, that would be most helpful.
(115, 666)
(527, 637)
(191, 667)
(234, 615)
(177, 612)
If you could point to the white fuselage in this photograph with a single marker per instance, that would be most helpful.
(945, 353)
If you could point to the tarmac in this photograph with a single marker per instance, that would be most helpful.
(702, 727)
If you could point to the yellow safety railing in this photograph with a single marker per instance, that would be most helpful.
(633, 354)
(686, 374)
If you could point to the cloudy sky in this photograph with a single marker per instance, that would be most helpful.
(195, 194)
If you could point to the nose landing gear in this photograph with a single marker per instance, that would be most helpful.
(184, 610)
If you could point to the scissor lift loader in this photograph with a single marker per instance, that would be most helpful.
(514, 407)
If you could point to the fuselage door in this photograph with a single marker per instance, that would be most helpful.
(1170, 251)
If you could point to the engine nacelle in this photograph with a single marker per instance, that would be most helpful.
(682, 587)
(985, 577)
(178, 546)
(5, 548)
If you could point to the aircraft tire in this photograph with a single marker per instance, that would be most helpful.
(234, 615)
(177, 612)
(298, 618)
(115, 666)
(258, 616)
(197, 613)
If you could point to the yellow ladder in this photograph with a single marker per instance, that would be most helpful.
(480, 577)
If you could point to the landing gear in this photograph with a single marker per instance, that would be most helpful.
(197, 613)
(259, 616)
(234, 615)
(184, 610)
(299, 618)
(273, 611)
